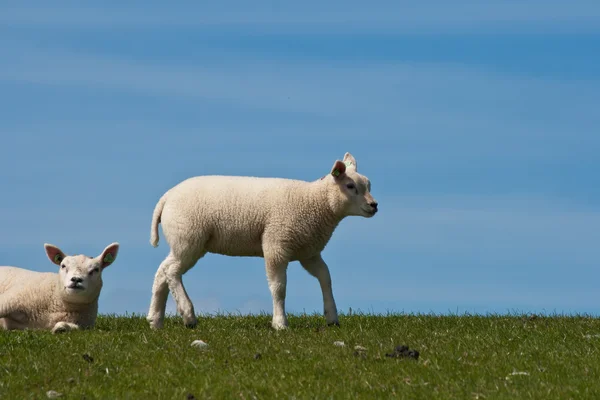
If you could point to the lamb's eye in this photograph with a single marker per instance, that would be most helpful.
(351, 186)
(63, 266)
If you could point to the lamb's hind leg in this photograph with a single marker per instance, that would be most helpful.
(160, 292)
(10, 317)
(13, 321)
(178, 266)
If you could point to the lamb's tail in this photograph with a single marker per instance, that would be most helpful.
(158, 209)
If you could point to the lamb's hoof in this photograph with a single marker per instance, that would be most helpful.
(155, 323)
(279, 326)
(190, 321)
(191, 325)
(62, 327)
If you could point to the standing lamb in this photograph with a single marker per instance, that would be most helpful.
(58, 301)
(280, 220)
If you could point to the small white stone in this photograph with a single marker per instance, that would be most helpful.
(339, 343)
(516, 373)
(594, 336)
(53, 394)
(199, 343)
(360, 348)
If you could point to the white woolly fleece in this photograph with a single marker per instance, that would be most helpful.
(281, 220)
(58, 301)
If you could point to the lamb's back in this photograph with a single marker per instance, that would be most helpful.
(28, 293)
(229, 212)
(16, 280)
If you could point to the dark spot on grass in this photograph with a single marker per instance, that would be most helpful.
(257, 356)
(190, 397)
(402, 351)
(88, 358)
(320, 329)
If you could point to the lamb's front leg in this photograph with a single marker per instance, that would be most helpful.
(62, 326)
(318, 268)
(277, 279)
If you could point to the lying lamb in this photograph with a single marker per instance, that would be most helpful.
(47, 300)
(280, 220)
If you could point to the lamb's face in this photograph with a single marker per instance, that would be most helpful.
(81, 275)
(356, 189)
(352, 191)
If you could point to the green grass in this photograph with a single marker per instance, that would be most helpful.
(461, 357)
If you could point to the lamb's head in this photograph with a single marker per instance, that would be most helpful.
(81, 275)
(350, 192)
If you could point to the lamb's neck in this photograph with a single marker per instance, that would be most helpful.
(319, 205)
(75, 307)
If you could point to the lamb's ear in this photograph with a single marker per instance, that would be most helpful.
(109, 255)
(339, 169)
(350, 161)
(54, 253)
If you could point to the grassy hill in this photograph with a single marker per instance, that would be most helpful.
(464, 357)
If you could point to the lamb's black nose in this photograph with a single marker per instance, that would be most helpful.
(76, 279)
(374, 205)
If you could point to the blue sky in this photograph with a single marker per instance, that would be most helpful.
(477, 123)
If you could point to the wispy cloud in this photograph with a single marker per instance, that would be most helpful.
(489, 229)
(313, 17)
(423, 100)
